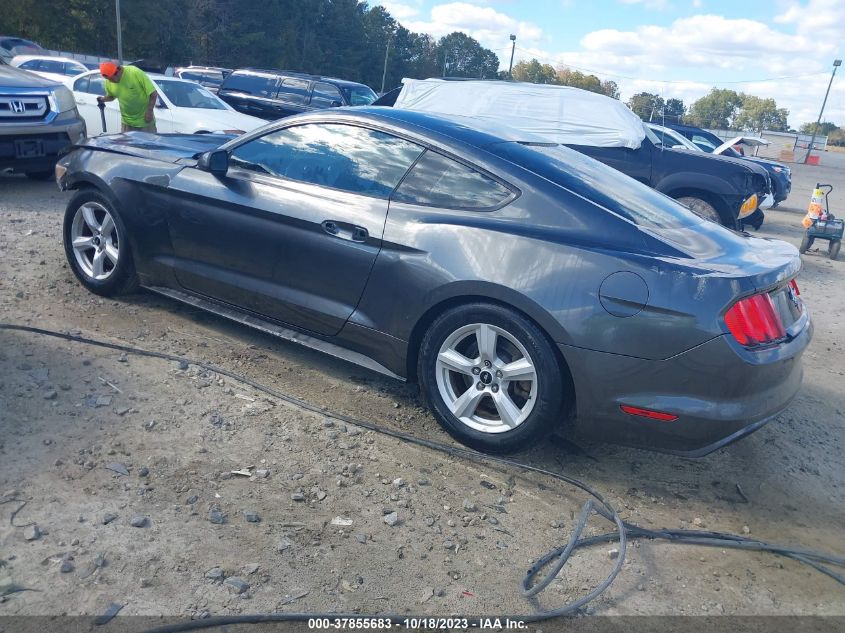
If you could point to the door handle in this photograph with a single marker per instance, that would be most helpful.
(345, 231)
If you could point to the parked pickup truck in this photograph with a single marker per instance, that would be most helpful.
(718, 188)
(38, 119)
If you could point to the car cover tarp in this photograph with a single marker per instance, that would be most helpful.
(557, 113)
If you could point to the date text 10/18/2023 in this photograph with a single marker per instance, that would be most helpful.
(413, 624)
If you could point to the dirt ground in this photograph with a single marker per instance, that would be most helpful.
(93, 441)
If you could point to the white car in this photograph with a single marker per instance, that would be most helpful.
(183, 107)
(54, 68)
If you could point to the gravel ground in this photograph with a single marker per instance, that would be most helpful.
(117, 483)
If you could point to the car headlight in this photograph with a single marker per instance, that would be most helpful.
(63, 100)
(779, 170)
(749, 206)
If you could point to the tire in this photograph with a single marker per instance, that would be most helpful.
(701, 208)
(103, 263)
(806, 243)
(450, 368)
(40, 175)
(833, 248)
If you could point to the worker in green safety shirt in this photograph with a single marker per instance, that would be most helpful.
(135, 93)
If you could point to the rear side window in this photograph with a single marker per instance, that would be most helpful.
(294, 90)
(256, 85)
(345, 157)
(32, 64)
(438, 181)
(325, 95)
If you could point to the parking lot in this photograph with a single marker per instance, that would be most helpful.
(91, 439)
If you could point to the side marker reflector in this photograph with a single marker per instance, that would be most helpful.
(648, 413)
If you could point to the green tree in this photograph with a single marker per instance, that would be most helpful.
(717, 109)
(646, 105)
(674, 109)
(825, 128)
(577, 79)
(534, 72)
(463, 56)
(757, 114)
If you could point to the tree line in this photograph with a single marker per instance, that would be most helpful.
(343, 38)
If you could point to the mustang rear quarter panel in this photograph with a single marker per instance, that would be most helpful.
(547, 255)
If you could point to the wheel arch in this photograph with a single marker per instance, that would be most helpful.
(454, 301)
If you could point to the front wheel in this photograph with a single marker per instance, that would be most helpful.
(491, 378)
(701, 208)
(806, 243)
(96, 245)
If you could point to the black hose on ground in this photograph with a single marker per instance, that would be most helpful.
(530, 586)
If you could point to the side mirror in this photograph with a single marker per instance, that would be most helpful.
(335, 104)
(215, 162)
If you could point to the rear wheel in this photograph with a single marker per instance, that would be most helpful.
(491, 378)
(806, 243)
(96, 245)
(701, 208)
(833, 248)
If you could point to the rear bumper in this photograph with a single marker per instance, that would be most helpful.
(719, 391)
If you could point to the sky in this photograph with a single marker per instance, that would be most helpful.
(782, 49)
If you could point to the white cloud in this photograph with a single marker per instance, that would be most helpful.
(658, 5)
(490, 27)
(399, 11)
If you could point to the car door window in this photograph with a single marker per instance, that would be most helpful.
(81, 85)
(96, 85)
(252, 84)
(439, 181)
(293, 90)
(52, 66)
(346, 157)
(324, 95)
(32, 64)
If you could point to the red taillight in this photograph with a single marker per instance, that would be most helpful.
(648, 413)
(754, 321)
(794, 285)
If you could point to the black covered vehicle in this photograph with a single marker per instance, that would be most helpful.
(38, 119)
(518, 281)
(780, 174)
(274, 94)
(721, 189)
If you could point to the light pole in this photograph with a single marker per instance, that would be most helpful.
(836, 64)
(513, 48)
(119, 33)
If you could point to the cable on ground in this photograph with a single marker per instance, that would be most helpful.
(530, 586)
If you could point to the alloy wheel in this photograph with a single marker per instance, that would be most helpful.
(486, 378)
(95, 241)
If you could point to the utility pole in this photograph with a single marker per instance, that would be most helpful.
(386, 53)
(119, 33)
(836, 64)
(513, 49)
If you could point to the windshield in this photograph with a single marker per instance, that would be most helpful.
(359, 96)
(183, 94)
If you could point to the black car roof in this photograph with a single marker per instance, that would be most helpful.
(296, 73)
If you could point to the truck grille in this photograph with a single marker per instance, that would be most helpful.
(22, 108)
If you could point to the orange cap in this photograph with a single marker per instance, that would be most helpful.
(108, 69)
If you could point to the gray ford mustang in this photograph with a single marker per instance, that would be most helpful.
(525, 286)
